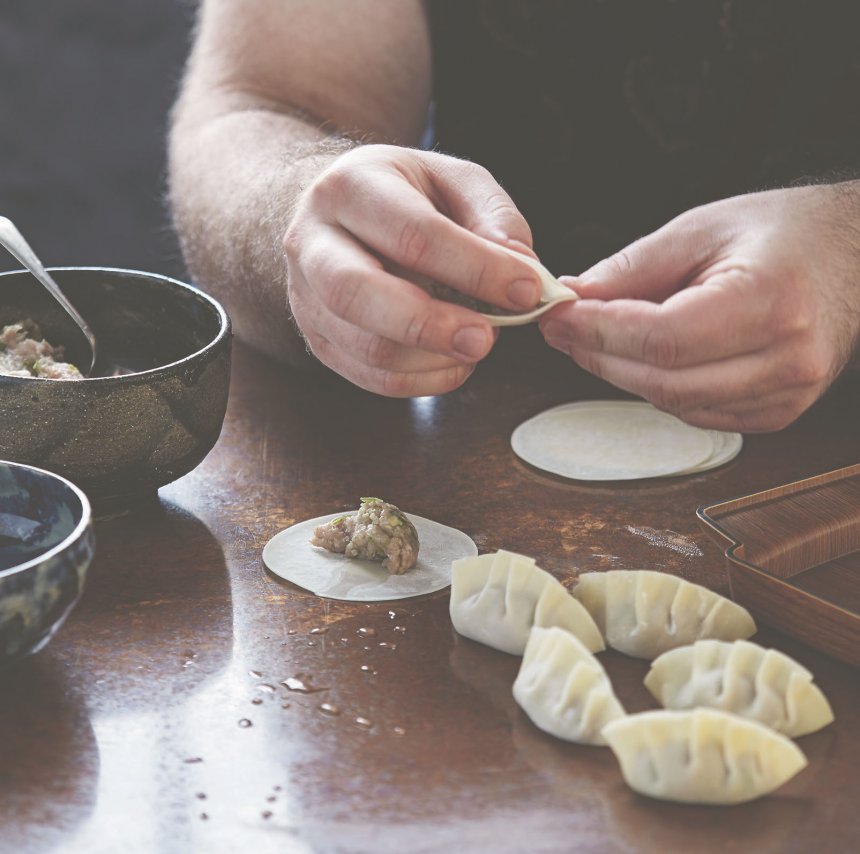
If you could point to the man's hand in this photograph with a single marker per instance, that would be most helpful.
(737, 315)
(379, 209)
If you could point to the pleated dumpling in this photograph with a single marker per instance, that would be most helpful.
(744, 678)
(644, 613)
(702, 756)
(497, 598)
(564, 689)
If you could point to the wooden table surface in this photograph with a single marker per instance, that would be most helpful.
(157, 720)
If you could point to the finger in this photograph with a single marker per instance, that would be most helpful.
(373, 351)
(704, 323)
(407, 229)
(763, 414)
(715, 385)
(385, 381)
(657, 265)
(472, 197)
(356, 288)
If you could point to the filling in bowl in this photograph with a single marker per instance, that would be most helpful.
(25, 353)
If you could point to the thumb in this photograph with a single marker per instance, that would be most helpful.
(651, 268)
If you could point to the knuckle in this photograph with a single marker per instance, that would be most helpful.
(335, 186)
(318, 345)
(663, 394)
(454, 377)
(792, 311)
(417, 332)
(413, 243)
(292, 241)
(620, 264)
(397, 384)
(807, 369)
(478, 282)
(379, 351)
(342, 296)
(660, 347)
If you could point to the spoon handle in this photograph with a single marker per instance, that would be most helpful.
(15, 243)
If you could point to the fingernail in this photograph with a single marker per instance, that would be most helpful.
(524, 293)
(470, 341)
(556, 330)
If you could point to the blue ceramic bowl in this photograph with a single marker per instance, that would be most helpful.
(46, 545)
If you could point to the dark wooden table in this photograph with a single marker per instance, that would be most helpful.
(157, 721)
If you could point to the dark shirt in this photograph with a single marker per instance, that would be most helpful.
(606, 118)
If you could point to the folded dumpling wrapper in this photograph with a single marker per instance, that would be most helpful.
(644, 613)
(743, 678)
(553, 292)
(703, 756)
(497, 598)
(564, 689)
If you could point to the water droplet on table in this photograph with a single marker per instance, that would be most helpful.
(367, 632)
(293, 683)
(245, 723)
(364, 723)
(329, 709)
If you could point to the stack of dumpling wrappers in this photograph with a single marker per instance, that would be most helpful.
(731, 707)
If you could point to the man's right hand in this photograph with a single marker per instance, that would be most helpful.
(381, 208)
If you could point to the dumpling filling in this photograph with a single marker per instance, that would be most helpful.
(25, 353)
(378, 531)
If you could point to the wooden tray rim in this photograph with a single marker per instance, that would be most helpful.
(732, 545)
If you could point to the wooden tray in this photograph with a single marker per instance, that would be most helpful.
(793, 556)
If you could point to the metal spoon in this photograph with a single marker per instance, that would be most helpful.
(14, 241)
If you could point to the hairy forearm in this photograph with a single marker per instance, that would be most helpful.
(235, 176)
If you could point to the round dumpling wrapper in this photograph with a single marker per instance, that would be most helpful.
(290, 555)
(610, 440)
(726, 447)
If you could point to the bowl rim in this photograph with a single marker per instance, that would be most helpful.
(76, 533)
(224, 329)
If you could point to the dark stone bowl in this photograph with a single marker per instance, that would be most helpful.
(155, 404)
(46, 545)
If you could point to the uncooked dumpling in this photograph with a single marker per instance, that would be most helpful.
(741, 677)
(497, 598)
(703, 756)
(644, 613)
(564, 689)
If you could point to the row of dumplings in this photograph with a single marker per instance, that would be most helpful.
(734, 705)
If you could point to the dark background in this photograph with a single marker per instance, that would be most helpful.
(85, 91)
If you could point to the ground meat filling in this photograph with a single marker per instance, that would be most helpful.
(25, 353)
(378, 531)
